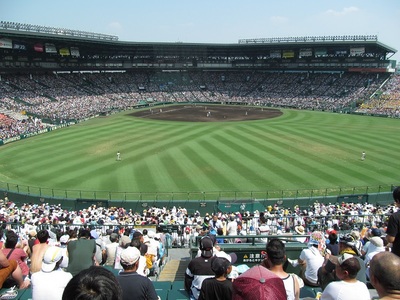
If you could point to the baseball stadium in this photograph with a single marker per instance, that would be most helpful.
(87, 120)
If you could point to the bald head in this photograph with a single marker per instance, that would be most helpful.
(384, 268)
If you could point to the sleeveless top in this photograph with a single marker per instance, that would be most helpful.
(289, 286)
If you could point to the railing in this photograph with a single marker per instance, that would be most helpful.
(45, 192)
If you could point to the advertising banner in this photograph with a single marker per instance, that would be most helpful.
(356, 51)
(6, 43)
(75, 51)
(305, 52)
(275, 54)
(38, 48)
(288, 54)
(50, 48)
(64, 51)
(19, 46)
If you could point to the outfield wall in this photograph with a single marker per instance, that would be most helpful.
(201, 205)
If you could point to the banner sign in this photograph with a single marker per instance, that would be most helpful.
(19, 46)
(38, 48)
(6, 43)
(356, 51)
(288, 54)
(50, 48)
(305, 52)
(275, 54)
(75, 51)
(320, 52)
(64, 51)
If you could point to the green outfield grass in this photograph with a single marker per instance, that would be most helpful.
(299, 150)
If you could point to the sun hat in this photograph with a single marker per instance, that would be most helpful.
(376, 241)
(52, 255)
(130, 255)
(300, 229)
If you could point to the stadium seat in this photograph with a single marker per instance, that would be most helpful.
(178, 295)
(306, 291)
(163, 294)
(178, 285)
(162, 285)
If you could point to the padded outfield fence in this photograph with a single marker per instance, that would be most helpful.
(226, 201)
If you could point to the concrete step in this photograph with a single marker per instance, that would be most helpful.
(174, 270)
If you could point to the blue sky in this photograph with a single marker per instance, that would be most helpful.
(213, 21)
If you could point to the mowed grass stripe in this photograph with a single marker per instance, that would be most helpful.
(262, 167)
(292, 172)
(73, 158)
(317, 158)
(80, 171)
(349, 145)
(279, 161)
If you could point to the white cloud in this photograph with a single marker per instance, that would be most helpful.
(345, 11)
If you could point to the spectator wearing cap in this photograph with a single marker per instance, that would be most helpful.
(199, 268)
(63, 245)
(301, 231)
(218, 287)
(274, 261)
(81, 252)
(258, 283)
(376, 246)
(348, 287)
(385, 275)
(51, 280)
(311, 258)
(142, 268)
(124, 243)
(134, 286)
(373, 232)
(347, 245)
(100, 255)
(393, 227)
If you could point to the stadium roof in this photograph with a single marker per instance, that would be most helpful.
(89, 43)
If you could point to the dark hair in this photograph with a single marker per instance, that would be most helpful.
(84, 233)
(352, 266)
(396, 194)
(94, 283)
(276, 251)
(43, 236)
(332, 238)
(219, 265)
(11, 239)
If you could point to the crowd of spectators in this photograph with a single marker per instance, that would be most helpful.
(59, 98)
(100, 235)
(386, 101)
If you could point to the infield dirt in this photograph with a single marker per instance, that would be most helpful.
(207, 113)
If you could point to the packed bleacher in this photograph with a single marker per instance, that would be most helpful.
(33, 229)
(59, 98)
